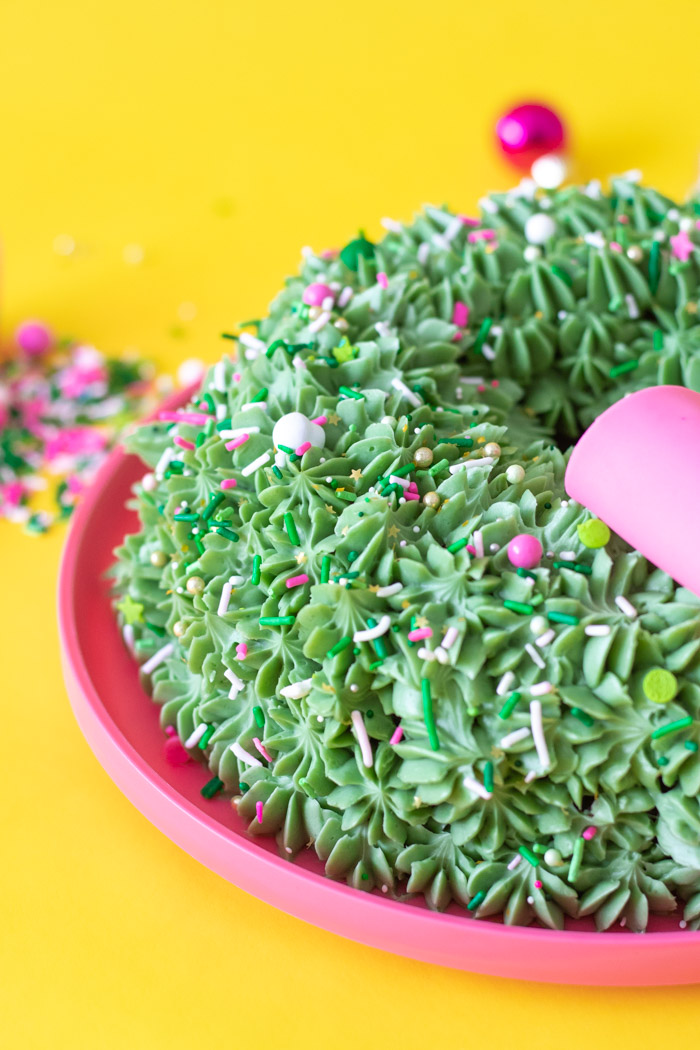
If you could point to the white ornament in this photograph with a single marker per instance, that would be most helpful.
(538, 624)
(294, 429)
(553, 858)
(539, 228)
(515, 474)
(549, 171)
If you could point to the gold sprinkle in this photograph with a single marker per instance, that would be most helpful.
(331, 510)
(300, 558)
(356, 474)
(333, 418)
(405, 604)
(392, 530)
(692, 308)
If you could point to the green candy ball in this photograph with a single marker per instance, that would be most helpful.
(660, 686)
(593, 533)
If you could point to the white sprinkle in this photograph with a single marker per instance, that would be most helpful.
(236, 684)
(506, 683)
(237, 431)
(488, 352)
(391, 588)
(362, 738)
(251, 341)
(423, 253)
(633, 175)
(298, 362)
(514, 863)
(194, 737)
(296, 690)
(225, 598)
(469, 464)
(328, 302)
(403, 482)
(597, 630)
(441, 656)
(220, 377)
(568, 555)
(391, 225)
(254, 404)
(593, 189)
(221, 411)
(162, 464)
(451, 636)
(373, 632)
(595, 239)
(477, 787)
(236, 581)
(530, 777)
(538, 733)
(345, 296)
(440, 241)
(425, 654)
(453, 229)
(515, 737)
(541, 688)
(259, 462)
(534, 655)
(244, 756)
(626, 606)
(546, 638)
(486, 204)
(478, 543)
(320, 322)
(128, 636)
(530, 900)
(472, 380)
(632, 307)
(399, 385)
(383, 329)
(158, 658)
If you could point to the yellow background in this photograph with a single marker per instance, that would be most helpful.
(219, 138)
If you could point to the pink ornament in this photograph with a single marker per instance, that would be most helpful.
(529, 131)
(33, 338)
(524, 551)
(314, 294)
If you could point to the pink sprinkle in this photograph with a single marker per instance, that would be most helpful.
(304, 447)
(495, 382)
(457, 336)
(197, 419)
(237, 441)
(241, 651)
(481, 235)
(682, 246)
(259, 812)
(382, 279)
(469, 221)
(236, 377)
(624, 219)
(615, 246)
(460, 314)
(320, 421)
(183, 443)
(296, 581)
(419, 634)
(412, 487)
(261, 748)
(589, 833)
(481, 388)
(538, 884)
(470, 548)
(410, 495)
(396, 735)
(229, 483)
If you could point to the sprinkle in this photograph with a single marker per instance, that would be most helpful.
(626, 606)
(158, 658)
(451, 636)
(460, 314)
(262, 749)
(510, 705)
(220, 377)
(325, 568)
(478, 540)
(257, 562)
(483, 332)
(488, 776)
(296, 690)
(515, 737)
(419, 634)
(382, 279)
(162, 464)
(586, 570)
(458, 545)
(470, 464)
(345, 296)
(251, 342)
(206, 737)
(476, 787)
(529, 856)
(304, 447)
(538, 731)
(212, 787)
(389, 590)
(276, 621)
(396, 736)
(582, 716)
(297, 581)
(241, 651)
(362, 738)
(513, 864)
(560, 617)
(245, 756)
(545, 639)
(541, 688)
(225, 598)
(237, 442)
(236, 683)
(654, 267)
(348, 392)
(524, 608)
(425, 654)
(228, 534)
(589, 833)
(438, 467)
(476, 900)
(399, 385)
(626, 366)
(373, 632)
(428, 715)
(197, 734)
(259, 462)
(291, 528)
(672, 727)
(505, 683)
(597, 630)
(632, 306)
(576, 858)
(534, 656)
(343, 643)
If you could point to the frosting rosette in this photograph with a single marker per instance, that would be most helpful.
(322, 596)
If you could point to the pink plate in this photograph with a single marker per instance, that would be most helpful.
(120, 723)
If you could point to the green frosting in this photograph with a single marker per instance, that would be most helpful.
(599, 816)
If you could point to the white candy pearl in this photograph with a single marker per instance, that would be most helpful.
(149, 483)
(492, 448)
(553, 858)
(635, 254)
(686, 224)
(539, 228)
(294, 429)
(538, 624)
(532, 253)
(515, 474)
(549, 171)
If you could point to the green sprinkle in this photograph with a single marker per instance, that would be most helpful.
(482, 334)
(277, 472)
(287, 449)
(438, 467)
(560, 617)
(144, 644)
(209, 402)
(510, 705)
(526, 572)
(460, 442)
(377, 663)
(476, 900)
(529, 856)
(276, 621)
(626, 366)
(576, 858)
(351, 393)
(690, 745)
(260, 396)
(212, 787)
(206, 737)
(662, 760)
(615, 303)
(291, 528)
(574, 566)
(428, 715)
(539, 848)
(401, 472)
(160, 631)
(379, 646)
(259, 716)
(672, 727)
(228, 534)
(524, 608)
(339, 646)
(185, 517)
(243, 786)
(275, 346)
(582, 716)
(457, 545)
(488, 776)
(229, 335)
(349, 497)
(306, 787)
(325, 568)
(657, 340)
(214, 502)
(562, 275)
(257, 562)
(654, 267)
(223, 424)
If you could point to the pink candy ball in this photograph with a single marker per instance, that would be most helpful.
(33, 338)
(524, 551)
(529, 131)
(314, 294)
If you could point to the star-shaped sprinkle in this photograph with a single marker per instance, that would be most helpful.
(421, 621)
(345, 530)
(356, 474)
(405, 604)
(300, 558)
(331, 510)
(131, 611)
(682, 246)
(333, 418)
(374, 587)
(392, 530)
